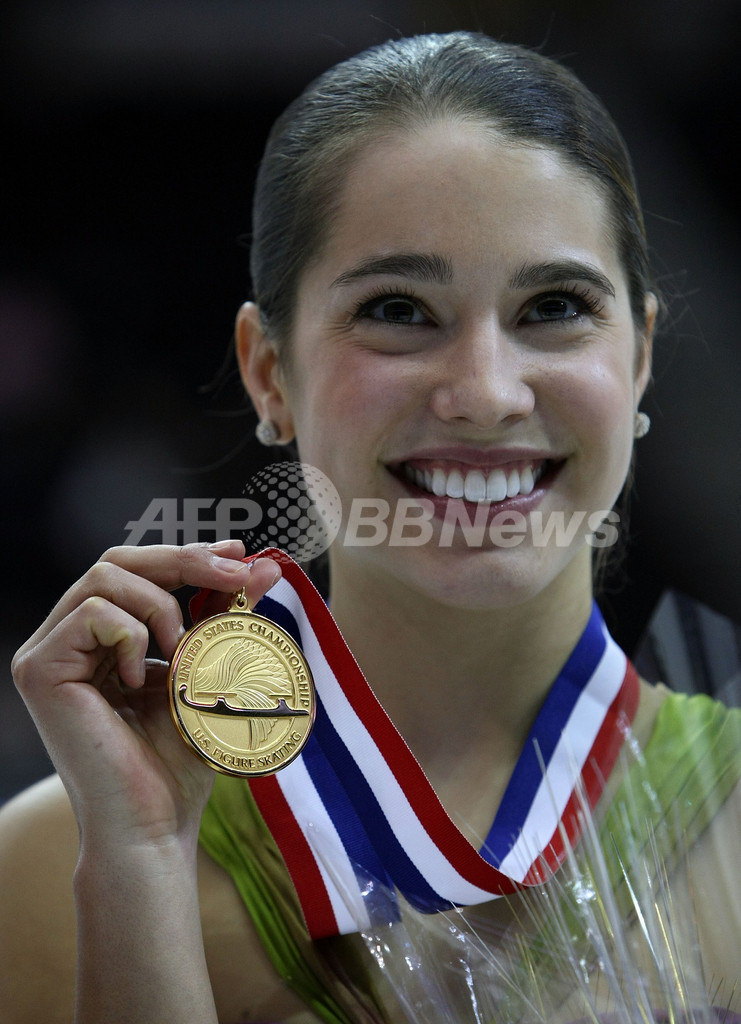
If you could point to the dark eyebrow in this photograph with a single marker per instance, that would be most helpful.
(533, 274)
(418, 265)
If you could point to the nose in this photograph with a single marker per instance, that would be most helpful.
(483, 379)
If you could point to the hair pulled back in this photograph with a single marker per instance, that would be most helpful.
(409, 83)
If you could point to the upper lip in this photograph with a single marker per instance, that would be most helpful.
(478, 458)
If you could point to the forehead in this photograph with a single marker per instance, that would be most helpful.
(467, 192)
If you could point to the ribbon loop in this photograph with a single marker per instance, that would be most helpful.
(355, 808)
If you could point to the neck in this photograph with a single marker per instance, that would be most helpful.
(458, 682)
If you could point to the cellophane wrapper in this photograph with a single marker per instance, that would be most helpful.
(610, 938)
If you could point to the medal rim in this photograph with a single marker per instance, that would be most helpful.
(203, 755)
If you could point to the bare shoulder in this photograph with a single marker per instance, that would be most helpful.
(652, 696)
(708, 892)
(38, 853)
(716, 900)
(246, 985)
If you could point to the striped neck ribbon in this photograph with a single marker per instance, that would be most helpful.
(356, 819)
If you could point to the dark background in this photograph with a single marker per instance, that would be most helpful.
(130, 135)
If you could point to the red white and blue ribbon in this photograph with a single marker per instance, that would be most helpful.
(356, 819)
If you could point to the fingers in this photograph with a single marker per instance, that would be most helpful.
(101, 709)
(95, 634)
(220, 567)
(264, 574)
(108, 615)
(170, 566)
(138, 580)
(107, 586)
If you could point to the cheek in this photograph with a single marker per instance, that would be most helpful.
(604, 397)
(359, 387)
(597, 403)
(597, 384)
(611, 425)
(349, 399)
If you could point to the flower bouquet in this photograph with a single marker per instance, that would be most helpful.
(611, 937)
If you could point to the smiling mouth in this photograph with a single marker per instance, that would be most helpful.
(475, 484)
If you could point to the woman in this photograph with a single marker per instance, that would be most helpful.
(453, 310)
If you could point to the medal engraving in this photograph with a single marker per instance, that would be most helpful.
(241, 693)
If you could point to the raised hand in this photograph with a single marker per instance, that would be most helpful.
(101, 706)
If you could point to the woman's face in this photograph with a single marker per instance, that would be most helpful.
(464, 345)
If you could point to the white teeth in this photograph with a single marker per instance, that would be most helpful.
(439, 481)
(454, 485)
(513, 484)
(496, 486)
(527, 481)
(474, 487)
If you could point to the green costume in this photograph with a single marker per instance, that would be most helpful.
(693, 762)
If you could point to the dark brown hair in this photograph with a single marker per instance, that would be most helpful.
(526, 97)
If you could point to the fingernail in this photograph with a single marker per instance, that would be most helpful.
(220, 545)
(276, 574)
(233, 565)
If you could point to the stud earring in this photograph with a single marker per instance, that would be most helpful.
(266, 432)
(642, 425)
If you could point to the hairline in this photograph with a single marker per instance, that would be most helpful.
(354, 144)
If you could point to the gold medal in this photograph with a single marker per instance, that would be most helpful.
(241, 692)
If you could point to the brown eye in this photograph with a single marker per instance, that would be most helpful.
(555, 307)
(562, 305)
(398, 311)
(392, 309)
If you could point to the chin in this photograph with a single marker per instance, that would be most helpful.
(486, 579)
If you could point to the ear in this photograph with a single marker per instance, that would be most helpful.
(261, 373)
(644, 358)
